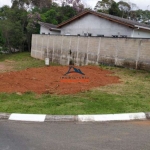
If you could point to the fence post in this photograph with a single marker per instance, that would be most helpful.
(47, 46)
(99, 49)
(53, 48)
(36, 47)
(138, 53)
(69, 50)
(78, 51)
(42, 46)
(87, 51)
(116, 55)
(36, 42)
(62, 42)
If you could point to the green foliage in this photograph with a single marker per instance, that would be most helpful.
(57, 14)
(18, 23)
(124, 10)
(22, 60)
(103, 6)
(114, 9)
(50, 16)
(1, 39)
(12, 25)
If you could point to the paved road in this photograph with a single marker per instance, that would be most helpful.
(75, 136)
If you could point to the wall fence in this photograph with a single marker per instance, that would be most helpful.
(125, 52)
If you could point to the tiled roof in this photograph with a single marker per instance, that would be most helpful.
(47, 25)
(116, 19)
(125, 20)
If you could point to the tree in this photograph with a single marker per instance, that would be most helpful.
(1, 39)
(103, 6)
(56, 14)
(124, 8)
(114, 9)
(20, 3)
(12, 25)
(32, 27)
(18, 23)
(41, 3)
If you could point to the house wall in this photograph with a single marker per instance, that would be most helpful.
(141, 33)
(127, 52)
(47, 31)
(95, 25)
(44, 30)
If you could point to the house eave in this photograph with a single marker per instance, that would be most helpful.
(54, 29)
(141, 27)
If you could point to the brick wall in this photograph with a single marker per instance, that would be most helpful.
(126, 52)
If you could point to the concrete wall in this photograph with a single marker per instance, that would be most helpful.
(95, 25)
(131, 53)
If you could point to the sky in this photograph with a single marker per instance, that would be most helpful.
(142, 4)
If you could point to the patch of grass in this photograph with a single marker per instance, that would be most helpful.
(92, 102)
(23, 60)
(131, 95)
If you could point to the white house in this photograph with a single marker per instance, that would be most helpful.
(47, 28)
(99, 24)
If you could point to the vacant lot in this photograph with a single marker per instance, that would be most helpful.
(131, 94)
(48, 80)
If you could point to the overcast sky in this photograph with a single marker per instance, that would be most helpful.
(142, 4)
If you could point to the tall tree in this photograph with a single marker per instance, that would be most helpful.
(12, 25)
(103, 6)
(58, 14)
(124, 8)
(32, 27)
(41, 3)
(114, 9)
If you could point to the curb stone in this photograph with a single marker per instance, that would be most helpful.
(147, 115)
(4, 116)
(112, 117)
(76, 118)
(61, 118)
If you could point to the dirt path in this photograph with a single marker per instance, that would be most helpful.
(48, 80)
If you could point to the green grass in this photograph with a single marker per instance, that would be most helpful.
(21, 61)
(131, 95)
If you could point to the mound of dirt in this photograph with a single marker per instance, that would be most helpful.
(48, 80)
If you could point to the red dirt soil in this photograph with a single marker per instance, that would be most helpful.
(47, 80)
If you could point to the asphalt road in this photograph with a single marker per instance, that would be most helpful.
(75, 136)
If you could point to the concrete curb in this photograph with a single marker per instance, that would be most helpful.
(27, 117)
(61, 118)
(112, 117)
(4, 116)
(75, 118)
(147, 115)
